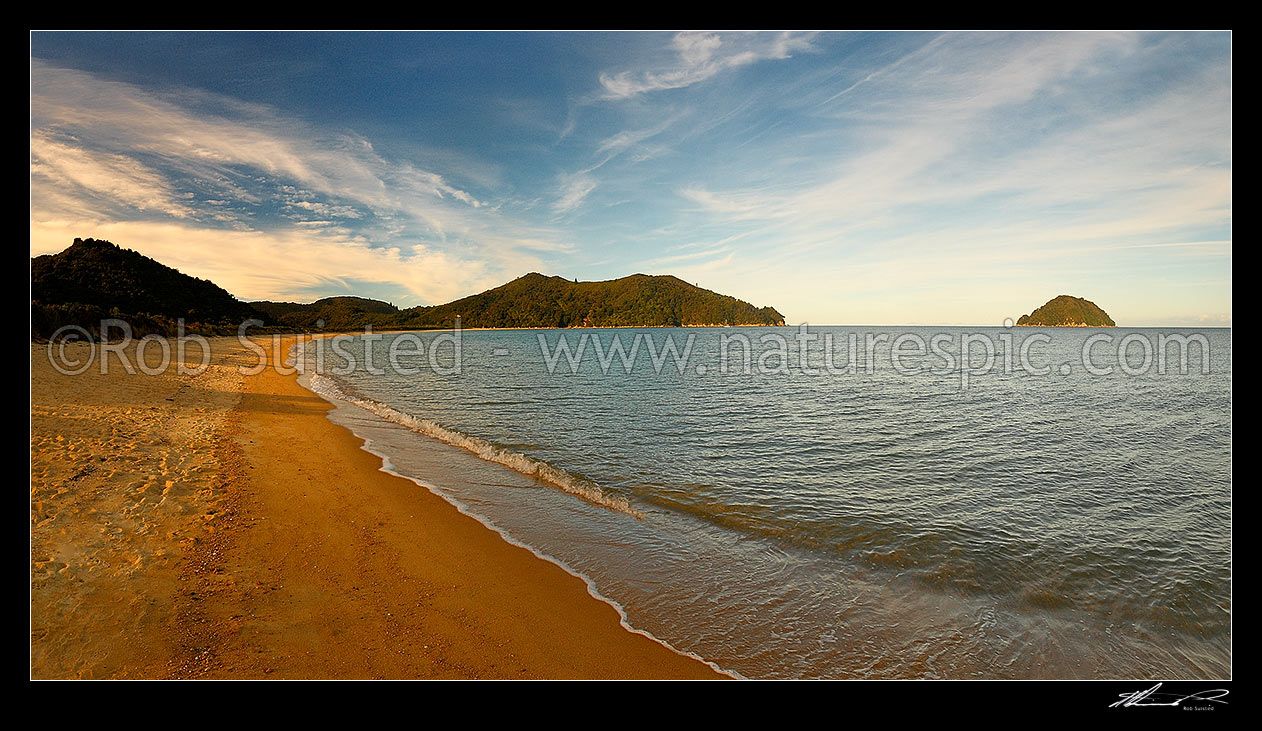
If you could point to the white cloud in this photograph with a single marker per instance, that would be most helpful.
(719, 254)
(215, 147)
(924, 145)
(111, 179)
(574, 188)
(700, 56)
(626, 139)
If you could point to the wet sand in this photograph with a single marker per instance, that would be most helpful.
(220, 526)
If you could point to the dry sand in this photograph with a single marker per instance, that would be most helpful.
(220, 526)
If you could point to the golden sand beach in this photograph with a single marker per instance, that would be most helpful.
(220, 526)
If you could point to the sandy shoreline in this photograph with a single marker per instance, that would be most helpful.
(221, 526)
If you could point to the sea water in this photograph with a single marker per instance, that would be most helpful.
(841, 502)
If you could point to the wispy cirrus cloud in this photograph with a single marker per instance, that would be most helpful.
(573, 190)
(89, 179)
(699, 56)
(948, 146)
(624, 140)
(219, 142)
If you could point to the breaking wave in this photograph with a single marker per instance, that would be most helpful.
(540, 470)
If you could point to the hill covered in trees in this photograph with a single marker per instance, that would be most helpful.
(638, 300)
(93, 280)
(535, 300)
(330, 313)
(1066, 311)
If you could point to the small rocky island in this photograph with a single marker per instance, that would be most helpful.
(1066, 311)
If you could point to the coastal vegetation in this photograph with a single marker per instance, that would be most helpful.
(538, 301)
(94, 280)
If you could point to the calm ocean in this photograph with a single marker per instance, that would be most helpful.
(841, 502)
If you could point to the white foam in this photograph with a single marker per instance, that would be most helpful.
(516, 461)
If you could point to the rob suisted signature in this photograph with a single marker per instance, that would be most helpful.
(1151, 697)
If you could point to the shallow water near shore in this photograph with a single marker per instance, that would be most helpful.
(781, 519)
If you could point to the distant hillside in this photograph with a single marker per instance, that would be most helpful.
(94, 279)
(330, 313)
(1066, 311)
(638, 300)
(538, 301)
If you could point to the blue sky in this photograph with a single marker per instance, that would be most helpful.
(886, 178)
